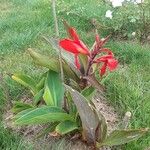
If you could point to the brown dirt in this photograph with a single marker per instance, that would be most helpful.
(48, 142)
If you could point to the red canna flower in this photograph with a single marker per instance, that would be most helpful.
(74, 45)
(109, 62)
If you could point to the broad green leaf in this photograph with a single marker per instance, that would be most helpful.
(41, 83)
(67, 57)
(119, 137)
(47, 96)
(66, 127)
(88, 92)
(20, 106)
(53, 64)
(42, 115)
(49, 62)
(22, 113)
(54, 90)
(91, 122)
(25, 81)
(38, 96)
(71, 106)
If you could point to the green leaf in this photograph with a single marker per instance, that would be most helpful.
(25, 81)
(20, 106)
(83, 62)
(22, 113)
(38, 96)
(119, 137)
(54, 90)
(53, 64)
(91, 122)
(71, 106)
(41, 115)
(66, 127)
(41, 83)
(67, 57)
(88, 92)
(49, 62)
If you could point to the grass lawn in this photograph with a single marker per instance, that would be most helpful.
(21, 25)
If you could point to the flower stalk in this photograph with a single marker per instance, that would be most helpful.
(57, 35)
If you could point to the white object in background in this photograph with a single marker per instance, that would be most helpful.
(139, 1)
(108, 14)
(133, 33)
(116, 3)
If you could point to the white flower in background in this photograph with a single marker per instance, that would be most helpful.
(108, 14)
(116, 3)
(139, 1)
(133, 20)
(133, 33)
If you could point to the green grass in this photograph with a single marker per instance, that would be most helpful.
(21, 25)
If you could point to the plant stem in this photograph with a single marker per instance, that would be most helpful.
(57, 34)
(90, 64)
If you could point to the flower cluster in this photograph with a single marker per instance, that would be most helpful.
(76, 46)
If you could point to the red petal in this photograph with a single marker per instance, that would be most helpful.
(71, 31)
(103, 58)
(77, 62)
(83, 46)
(112, 64)
(73, 34)
(76, 39)
(103, 69)
(72, 46)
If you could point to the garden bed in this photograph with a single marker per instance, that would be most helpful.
(30, 132)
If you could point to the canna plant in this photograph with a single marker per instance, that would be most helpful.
(67, 106)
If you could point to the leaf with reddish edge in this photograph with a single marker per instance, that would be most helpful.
(93, 125)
